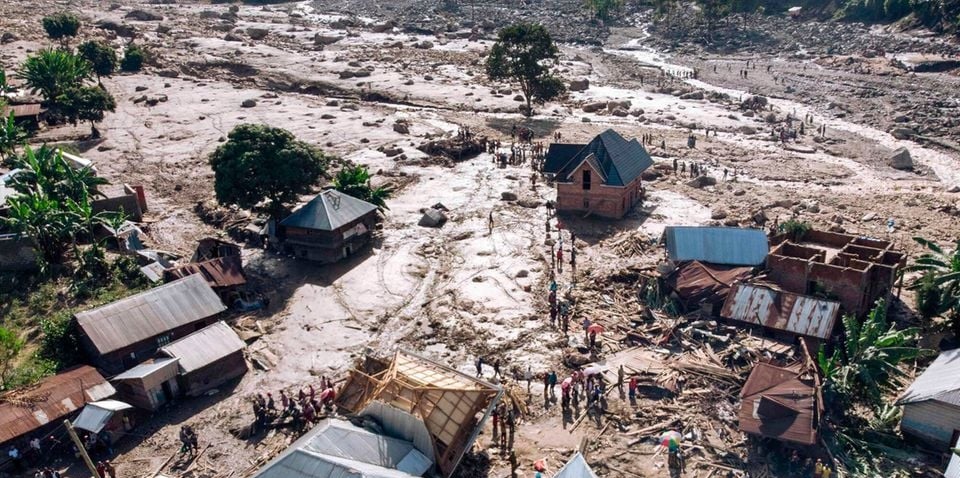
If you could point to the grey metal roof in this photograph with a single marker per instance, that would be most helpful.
(719, 245)
(330, 210)
(618, 160)
(95, 415)
(204, 346)
(799, 314)
(940, 381)
(558, 155)
(338, 449)
(577, 467)
(150, 313)
(146, 369)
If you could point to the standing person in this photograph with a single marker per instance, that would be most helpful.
(632, 388)
(586, 330)
(553, 315)
(496, 367)
(284, 400)
(14, 454)
(490, 223)
(818, 469)
(560, 257)
(552, 377)
(512, 426)
(620, 379)
(675, 463)
(529, 376)
(496, 425)
(101, 469)
(503, 430)
(479, 365)
(546, 389)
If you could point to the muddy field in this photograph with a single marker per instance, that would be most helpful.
(340, 76)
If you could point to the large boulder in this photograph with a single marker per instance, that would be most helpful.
(508, 196)
(902, 133)
(319, 39)
(579, 85)
(693, 95)
(432, 218)
(594, 107)
(257, 33)
(900, 159)
(143, 16)
(702, 181)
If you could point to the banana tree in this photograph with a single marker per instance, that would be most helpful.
(938, 288)
(355, 181)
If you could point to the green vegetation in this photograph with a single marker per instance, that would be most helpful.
(11, 136)
(52, 72)
(10, 347)
(355, 181)
(86, 103)
(795, 230)
(61, 26)
(102, 57)
(4, 85)
(133, 58)
(602, 8)
(521, 54)
(260, 163)
(938, 289)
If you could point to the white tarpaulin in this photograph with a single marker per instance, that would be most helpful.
(96, 414)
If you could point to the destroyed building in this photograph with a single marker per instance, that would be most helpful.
(451, 406)
(782, 403)
(149, 385)
(331, 227)
(856, 271)
(601, 177)
(786, 314)
(224, 275)
(119, 335)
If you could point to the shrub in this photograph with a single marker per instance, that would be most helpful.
(133, 58)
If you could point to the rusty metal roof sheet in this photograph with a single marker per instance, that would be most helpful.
(698, 282)
(799, 314)
(940, 381)
(220, 272)
(204, 347)
(20, 111)
(25, 410)
(718, 245)
(149, 313)
(781, 403)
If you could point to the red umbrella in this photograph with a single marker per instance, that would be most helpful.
(595, 329)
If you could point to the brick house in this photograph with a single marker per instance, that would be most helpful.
(601, 177)
(329, 228)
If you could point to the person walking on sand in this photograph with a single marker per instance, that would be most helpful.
(490, 223)
(528, 375)
(620, 379)
(496, 367)
(479, 365)
(632, 388)
(552, 379)
(495, 418)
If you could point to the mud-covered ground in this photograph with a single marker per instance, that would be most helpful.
(341, 75)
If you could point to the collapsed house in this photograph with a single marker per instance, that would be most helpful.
(128, 200)
(331, 227)
(210, 248)
(35, 410)
(855, 270)
(782, 403)
(122, 334)
(337, 448)
(208, 358)
(931, 404)
(451, 406)
(224, 275)
(602, 177)
(786, 314)
(704, 286)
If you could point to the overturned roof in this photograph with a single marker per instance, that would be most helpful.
(447, 401)
(338, 449)
(329, 211)
(783, 403)
(779, 310)
(940, 381)
(224, 271)
(558, 154)
(25, 410)
(719, 245)
(150, 313)
(618, 160)
(577, 467)
(204, 347)
(699, 282)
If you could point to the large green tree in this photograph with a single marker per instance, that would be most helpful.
(355, 181)
(260, 163)
(61, 26)
(102, 57)
(522, 54)
(51, 72)
(86, 103)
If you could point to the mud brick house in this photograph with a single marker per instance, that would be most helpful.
(329, 228)
(129, 200)
(931, 404)
(122, 334)
(855, 271)
(208, 358)
(601, 177)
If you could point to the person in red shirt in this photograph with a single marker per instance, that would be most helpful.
(632, 388)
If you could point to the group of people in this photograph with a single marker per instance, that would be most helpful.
(47, 472)
(106, 470)
(504, 419)
(189, 443)
(302, 409)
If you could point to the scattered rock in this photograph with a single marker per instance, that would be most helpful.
(580, 85)
(327, 116)
(120, 29)
(620, 112)
(250, 103)
(954, 189)
(347, 74)
(232, 37)
(168, 73)
(8, 37)
(401, 127)
(522, 273)
(900, 159)
(575, 359)
(718, 215)
(868, 217)
(508, 196)
(518, 98)
(319, 39)
(529, 203)
(143, 16)
(424, 45)
(748, 130)
(257, 33)
(432, 218)
(391, 152)
(902, 133)
(693, 95)
(140, 88)
(739, 192)
(594, 107)
(702, 182)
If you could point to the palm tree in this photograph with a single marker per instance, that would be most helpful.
(938, 289)
(52, 71)
(355, 181)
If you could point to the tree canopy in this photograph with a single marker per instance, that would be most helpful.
(259, 162)
(61, 26)
(355, 181)
(102, 57)
(86, 103)
(133, 58)
(521, 54)
(50, 72)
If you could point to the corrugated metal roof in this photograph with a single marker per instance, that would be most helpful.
(697, 282)
(780, 403)
(150, 313)
(145, 370)
(559, 154)
(95, 415)
(720, 245)
(338, 449)
(330, 210)
(219, 272)
(204, 346)
(940, 381)
(577, 467)
(20, 111)
(780, 310)
(23, 411)
(620, 161)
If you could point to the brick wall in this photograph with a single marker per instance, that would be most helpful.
(601, 200)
